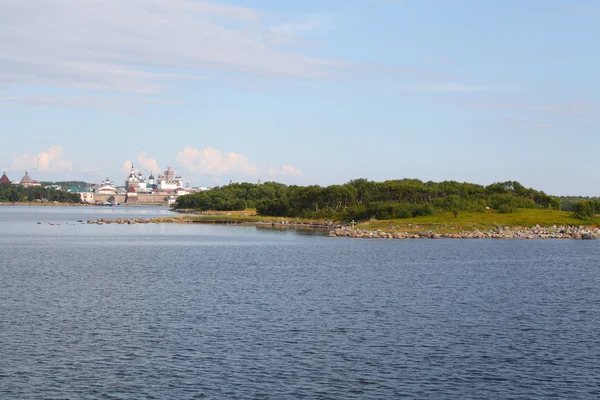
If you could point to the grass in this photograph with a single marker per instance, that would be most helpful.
(447, 223)
(439, 223)
(248, 216)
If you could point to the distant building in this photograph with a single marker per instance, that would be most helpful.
(106, 187)
(131, 196)
(138, 181)
(4, 178)
(180, 191)
(26, 181)
(86, 197)
(199, 188)
(169, 181)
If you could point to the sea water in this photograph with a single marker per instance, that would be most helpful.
(189, 311)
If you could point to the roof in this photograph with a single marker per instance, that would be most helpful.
(106, 188)
(131, 190)
(4, 178)
(26, 178)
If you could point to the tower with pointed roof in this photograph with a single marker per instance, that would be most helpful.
(4, 178)
(26, 181)
(131, 196)
(137, 181)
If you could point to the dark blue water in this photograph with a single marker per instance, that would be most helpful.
(191, 311)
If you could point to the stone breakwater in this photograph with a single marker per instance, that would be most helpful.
(537, 232)
(131, 221)
(180, 220)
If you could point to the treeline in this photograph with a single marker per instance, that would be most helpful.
(18, 193)
(568, 203)
(587, 209)
(361, 199)
(78, 184)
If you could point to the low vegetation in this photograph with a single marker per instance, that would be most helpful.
(470, 221)
(362, 200)
(568, 203)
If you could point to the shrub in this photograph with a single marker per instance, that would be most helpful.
(507, 208)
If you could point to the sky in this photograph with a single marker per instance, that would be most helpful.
(303, 92)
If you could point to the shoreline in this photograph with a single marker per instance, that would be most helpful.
(48, 204)
(505, 233)
(335, 230)
(52, 204)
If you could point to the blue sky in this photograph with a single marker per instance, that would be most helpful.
(303, 92)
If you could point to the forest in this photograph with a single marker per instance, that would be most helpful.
(362, 199)
(17, 193)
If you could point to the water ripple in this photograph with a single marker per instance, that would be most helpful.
(215, 314)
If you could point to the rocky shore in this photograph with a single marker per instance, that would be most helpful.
(336, 230)
(263, 224)
(512, 232)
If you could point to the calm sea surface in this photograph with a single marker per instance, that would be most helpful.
(176, 311)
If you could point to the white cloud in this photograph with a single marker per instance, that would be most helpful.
(51, 160)
(126, 46)
(448, 87)
(142, 161)
(24, 162)
(150, 164)
(126, 166)
(210, 161)
(285, 171)
(305, 25)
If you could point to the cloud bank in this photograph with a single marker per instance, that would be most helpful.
(210, 161)
(216, 163)
(149, 164)
(51, 160)
(128, 46)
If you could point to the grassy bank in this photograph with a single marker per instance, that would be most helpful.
(241, 216)
(439, 223)
(448, 223)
